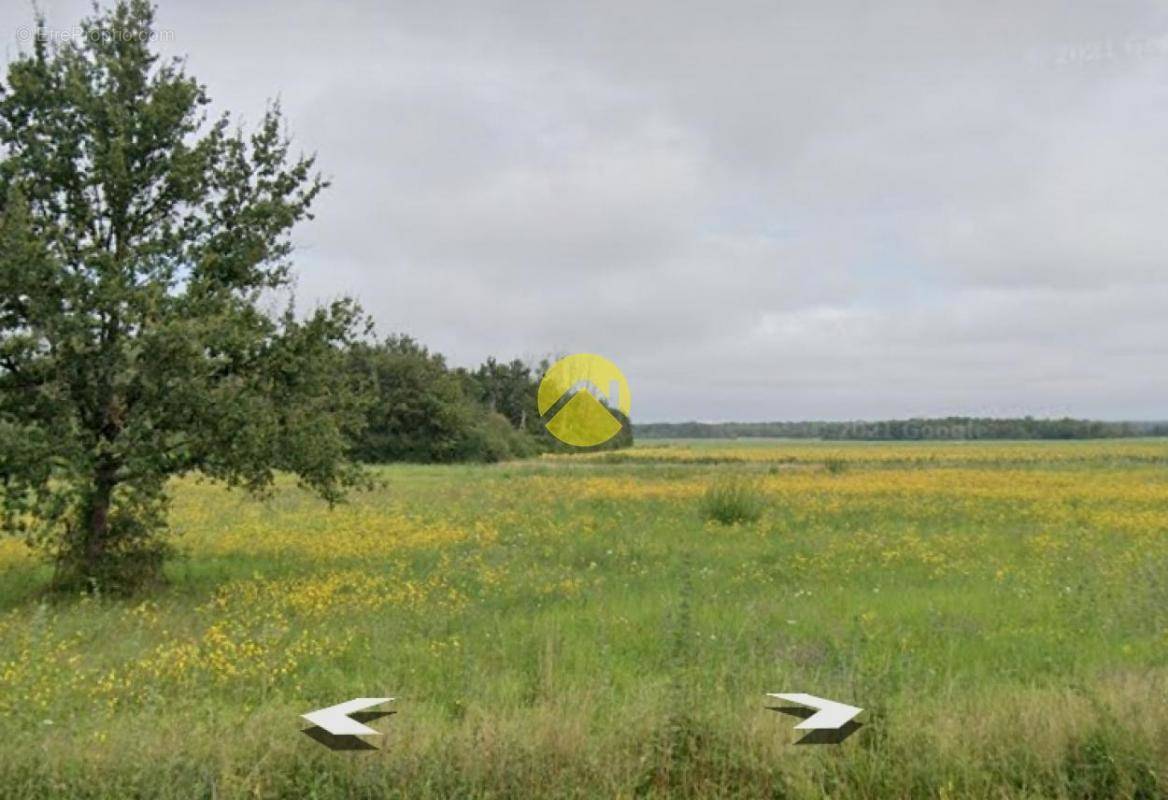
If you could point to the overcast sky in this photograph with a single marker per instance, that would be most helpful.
(757, 210)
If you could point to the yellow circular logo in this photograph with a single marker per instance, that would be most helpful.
(580, 390)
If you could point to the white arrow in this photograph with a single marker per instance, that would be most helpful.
(336, 719)
(829, 715)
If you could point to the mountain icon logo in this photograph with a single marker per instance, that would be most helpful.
(580, 391)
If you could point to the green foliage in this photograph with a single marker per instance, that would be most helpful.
(136, 242)
(492, 439)
(509, 389)
(425, 413)
(733, 499)
(420, 413)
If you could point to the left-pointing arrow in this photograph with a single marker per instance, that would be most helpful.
(336, 719)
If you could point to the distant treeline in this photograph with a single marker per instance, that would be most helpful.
(425, 411)
(943, 428)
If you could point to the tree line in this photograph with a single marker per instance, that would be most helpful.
(917, 429)
(421, 410)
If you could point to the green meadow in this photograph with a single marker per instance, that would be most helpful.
(587, 627)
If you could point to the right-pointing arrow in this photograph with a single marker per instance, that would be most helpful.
(829, 714)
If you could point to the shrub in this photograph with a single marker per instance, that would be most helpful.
(836, 466)
(492, 439)
(733, 499)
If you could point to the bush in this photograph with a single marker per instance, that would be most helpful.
(493, 439)
(732, 500)
(835, 466)
(420, 413)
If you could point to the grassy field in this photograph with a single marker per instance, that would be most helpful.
(574, 627)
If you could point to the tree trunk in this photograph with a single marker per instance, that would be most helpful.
(81, 565)
(97, 530)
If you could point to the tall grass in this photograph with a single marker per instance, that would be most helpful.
(835, 465)
(733, 499)
(576, 631)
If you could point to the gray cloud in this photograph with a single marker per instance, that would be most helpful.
(759, 210)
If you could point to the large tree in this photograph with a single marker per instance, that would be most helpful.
(142, 246)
